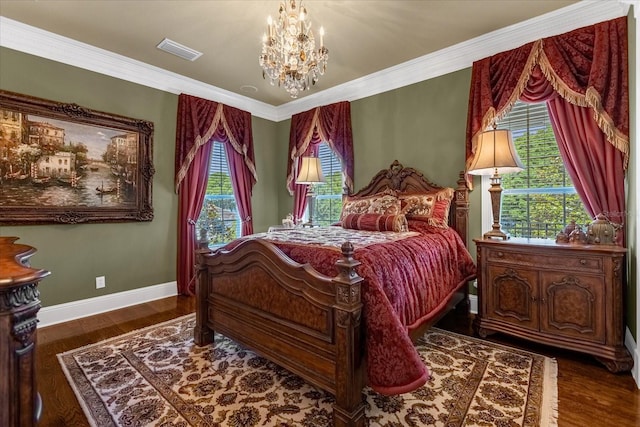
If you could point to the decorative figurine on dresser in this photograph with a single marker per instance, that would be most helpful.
(568, 293)
(19, 304)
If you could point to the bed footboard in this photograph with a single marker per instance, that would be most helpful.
(287, 312)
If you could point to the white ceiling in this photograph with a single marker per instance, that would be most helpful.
(373, 45)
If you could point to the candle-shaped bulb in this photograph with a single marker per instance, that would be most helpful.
(270, 26)
(321, 36)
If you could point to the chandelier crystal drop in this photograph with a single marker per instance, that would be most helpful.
(289, 56)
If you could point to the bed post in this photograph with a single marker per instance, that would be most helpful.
(348, 411)
(202, 334)
(462, 227)
(462, 209)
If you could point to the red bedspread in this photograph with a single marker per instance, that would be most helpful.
(406, 282)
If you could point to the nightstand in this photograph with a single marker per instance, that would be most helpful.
(564, 295)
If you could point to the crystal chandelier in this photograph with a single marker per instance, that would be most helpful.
(289, 56)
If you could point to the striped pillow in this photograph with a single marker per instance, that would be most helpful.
(375, 222)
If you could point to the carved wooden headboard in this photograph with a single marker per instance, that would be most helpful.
(403, 179)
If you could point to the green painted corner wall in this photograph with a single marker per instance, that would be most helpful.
(423, 126)
(268, 151)
(285, 200)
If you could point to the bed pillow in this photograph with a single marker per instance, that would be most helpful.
(381, 203)
(375, 222)
(430, 207)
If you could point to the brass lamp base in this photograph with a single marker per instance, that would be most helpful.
(496, 201)
(311, 198)
(495, 234)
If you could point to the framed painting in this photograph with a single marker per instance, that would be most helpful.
(66, 164)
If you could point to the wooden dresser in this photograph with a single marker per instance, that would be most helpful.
(564, 295)
(20, 404)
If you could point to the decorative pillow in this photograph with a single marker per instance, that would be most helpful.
(375, 222)
(430, 207)
(381, 203)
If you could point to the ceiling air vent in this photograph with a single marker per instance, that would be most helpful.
(179, 50)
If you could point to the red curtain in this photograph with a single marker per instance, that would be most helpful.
(329, 123)
(190, 199)
(583, 77)
(199, 123)
(593, 163)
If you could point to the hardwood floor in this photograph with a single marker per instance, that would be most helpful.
(589, 395)
(60, 406)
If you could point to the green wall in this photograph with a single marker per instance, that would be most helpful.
(134, 254)
(268, 149)
(422, 125)
(285, 200)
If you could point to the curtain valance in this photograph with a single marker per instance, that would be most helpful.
(329, 123)
(199, 121)
(587, 67)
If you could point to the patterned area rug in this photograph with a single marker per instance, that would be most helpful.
(158, 377)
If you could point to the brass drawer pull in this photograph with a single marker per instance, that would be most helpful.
(500, 254)
(583, 262)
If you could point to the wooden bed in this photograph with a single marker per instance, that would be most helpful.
(306, 322)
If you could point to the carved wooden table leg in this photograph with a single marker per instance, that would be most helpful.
(19, 304)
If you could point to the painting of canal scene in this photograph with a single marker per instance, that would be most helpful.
(62, 163)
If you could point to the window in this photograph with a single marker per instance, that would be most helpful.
(328, 202)
(219, 215)
(539, 201)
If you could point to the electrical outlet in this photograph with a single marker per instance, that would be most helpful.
(100, 282)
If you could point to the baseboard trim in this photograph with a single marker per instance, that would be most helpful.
(473, 303)
(54, 314)
(632, 346)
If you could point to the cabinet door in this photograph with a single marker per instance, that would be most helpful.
(512, 296)
(573, 305)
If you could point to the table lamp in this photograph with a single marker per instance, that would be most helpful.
(310, 174)
(495, 155)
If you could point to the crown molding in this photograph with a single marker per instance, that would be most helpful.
(35, 41)
(462, 55)
(636, 6)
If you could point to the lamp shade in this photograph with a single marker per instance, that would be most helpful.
(495, 153)
(310, 171)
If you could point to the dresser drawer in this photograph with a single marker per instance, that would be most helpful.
(574, 262)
